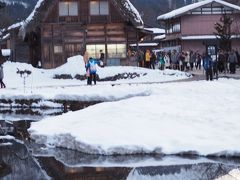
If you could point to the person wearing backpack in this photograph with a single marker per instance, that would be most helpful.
(92, 66)
(208, 67)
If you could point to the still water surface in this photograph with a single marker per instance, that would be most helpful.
(23, 159)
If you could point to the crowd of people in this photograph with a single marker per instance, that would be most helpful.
(223, 62)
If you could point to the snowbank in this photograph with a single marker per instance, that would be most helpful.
(75, 66)
(199, 117)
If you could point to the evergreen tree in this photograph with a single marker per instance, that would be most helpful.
(223, 33)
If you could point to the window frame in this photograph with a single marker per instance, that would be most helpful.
(58, 49)
(118, 47)
(100, 12)
(97, 48)
(68, 5)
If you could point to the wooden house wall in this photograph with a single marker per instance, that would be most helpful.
(20, 49)
(73, 33)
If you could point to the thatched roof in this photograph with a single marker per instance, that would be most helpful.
(125, 7)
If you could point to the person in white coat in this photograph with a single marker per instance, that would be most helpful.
(167, 60)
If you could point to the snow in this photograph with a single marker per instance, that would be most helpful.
(156, 30)
(199, 117)
(126, 4)
(12, 2)
(200, 37)
(232, 175)
(30, 17)
(6, 52)
(190, 7)
(140, 115)
(144, 44)
(40, 83)
(7, 137)
(160, 37)
(134, 11)
(16, 25)
(6, 36)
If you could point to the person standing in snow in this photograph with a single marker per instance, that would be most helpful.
(91, 66)
(192, 59)
(1, 77)
(147, 58)
(174, 59)
(153, 59)
(88, 74)
(198, 61)
(101, 58)
(167, 60)
(1, 56)
(208, 66)
(232, 59)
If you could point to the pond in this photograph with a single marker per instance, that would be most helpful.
(21, 158)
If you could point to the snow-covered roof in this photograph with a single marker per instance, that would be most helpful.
(12, 2)
(156, 30)
(185, 9)
(124, 6)
(160, 37)
(200, 37)
(6, 36)
(6, 52)
(16, 25)
(144, 44)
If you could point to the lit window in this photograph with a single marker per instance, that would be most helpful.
(116, 50)
(99, 8)
(58, 49)
(94, 50)
(68, 9)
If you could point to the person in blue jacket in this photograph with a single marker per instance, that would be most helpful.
(91, 66)
(208, 67)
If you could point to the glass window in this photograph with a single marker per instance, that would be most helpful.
(99, 8)
(63, 9)
(94, 50)
(176, 27)
(73, 9)
(58, 49)
(94, 7)
(68, 8)
(116, 50)
(104, 10)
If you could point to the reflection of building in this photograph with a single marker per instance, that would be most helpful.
(2, 4)
(58, 29)
(192, 27)
(4, 169)
(57, 170)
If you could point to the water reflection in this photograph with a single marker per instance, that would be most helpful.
(35, 114)
(18, 163)
(203, 171)
(23, 159)
(57, 170)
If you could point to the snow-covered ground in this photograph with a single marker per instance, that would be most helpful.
(41, 85)
(199, 117)
(75, 66)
